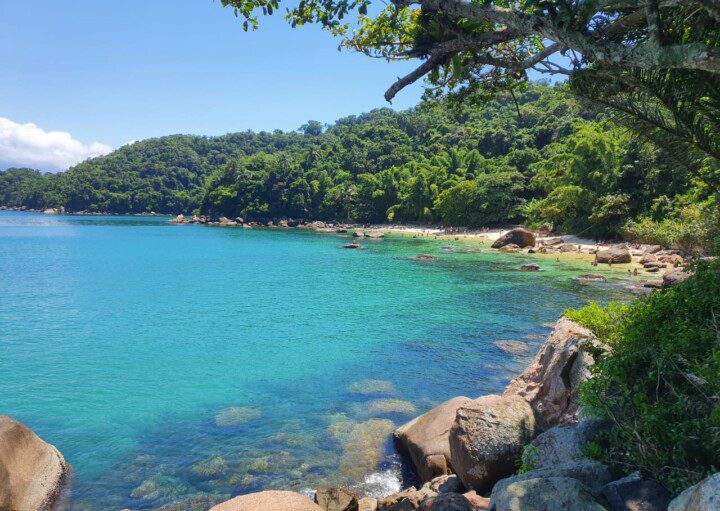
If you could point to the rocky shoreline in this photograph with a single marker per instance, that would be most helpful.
(657, 266)
(522, 450)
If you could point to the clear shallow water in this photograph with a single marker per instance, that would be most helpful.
(185, 364)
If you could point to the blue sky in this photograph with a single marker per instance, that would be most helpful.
(114, 71)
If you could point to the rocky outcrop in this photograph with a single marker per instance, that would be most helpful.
(31, 471)
(550, 382)
(488, 436)
(519, 236)
(425, 439)
(635, 493)
(268, 500)
(614, 255)
(336, 499)
(545, 494)
(675, 277)
(704, 496)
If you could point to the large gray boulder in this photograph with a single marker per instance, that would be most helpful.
(704, 496)
(519, 236)
(614, 255)
(488, 436)
(545, 494)
(562, 444)
(425, 439)
(550, 382)
(592, 474)
(31, 471)
(268, 500)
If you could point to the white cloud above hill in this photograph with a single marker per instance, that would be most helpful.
(27, 145)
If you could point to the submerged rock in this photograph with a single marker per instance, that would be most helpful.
(513, 347)
(31, 471)
(426, 257)
(362, 445)
(352, 245)
(591, 277)
(269, 500)
(387, 406)
(211, 467)
(236, 415)
(369, 387)
(425, 439)
(529, 267)
(488, 436)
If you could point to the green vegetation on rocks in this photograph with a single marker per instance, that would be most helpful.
(546, 158)
(660, 379)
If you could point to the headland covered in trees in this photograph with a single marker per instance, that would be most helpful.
(537, 156)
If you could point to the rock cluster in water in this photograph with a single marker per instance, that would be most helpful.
(465, 452)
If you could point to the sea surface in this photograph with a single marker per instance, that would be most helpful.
(176, 366)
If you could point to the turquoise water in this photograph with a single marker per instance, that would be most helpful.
(123, 340)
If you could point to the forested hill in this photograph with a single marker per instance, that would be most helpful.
(544, 158)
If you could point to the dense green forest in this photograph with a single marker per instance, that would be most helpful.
(538, 156)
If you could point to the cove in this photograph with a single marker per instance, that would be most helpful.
(180, 365)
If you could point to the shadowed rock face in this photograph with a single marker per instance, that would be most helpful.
(425, 439)
(550, 382)
(31, 471)
(269, 500)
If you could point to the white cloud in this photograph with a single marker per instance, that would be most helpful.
(26, 145)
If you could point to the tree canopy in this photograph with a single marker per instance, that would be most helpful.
(559, 161)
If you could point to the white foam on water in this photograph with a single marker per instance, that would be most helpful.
(379, 484)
